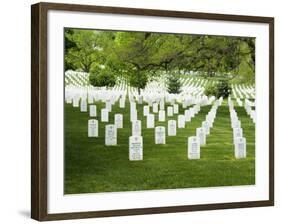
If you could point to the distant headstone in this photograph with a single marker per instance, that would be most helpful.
(206, 127)
(150, 121)
(122, 103)
(193, 150)
(240, 148)
(83, 105)
(236, 124)
(133, 115)
(160, 135)
(184, 104)
(170, 111)
(155, 107)
(145, 110)
(172, 128)
(237, 133)
(135, 148)
(108, 105)
(136, 128)
(75, 102)
(93, 128)
(176, 108)
(90, 99)
(162, 105)
(200, 133)
(133, 106)
(187, 115)
(192, 112)
(68, 99)
(104, 115)
(118, 120)
(161, 115)
(93, 110)
(110, 134)
(181, 121)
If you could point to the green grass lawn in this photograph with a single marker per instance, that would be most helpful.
(90, 166)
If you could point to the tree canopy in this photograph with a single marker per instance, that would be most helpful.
(140, 56)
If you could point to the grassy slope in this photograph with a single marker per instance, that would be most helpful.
(92, 167)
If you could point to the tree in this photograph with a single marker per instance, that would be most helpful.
(86, 51)
(140, 56)
(174, 84)
(102, 76)
(220, 89)
(68, 44)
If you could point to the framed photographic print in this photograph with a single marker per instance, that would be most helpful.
(139, 111)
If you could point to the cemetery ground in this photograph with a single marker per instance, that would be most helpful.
(90, 166)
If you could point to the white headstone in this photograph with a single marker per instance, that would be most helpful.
(104, 115)
(93, 110)
(133, 115)
(161, 115)
(135, 148)
(145, 110)
(193, 150)
(83, 105)
(133, 106)
(172, 128)
(160, 135)
(155, 107)
(187, 115)
(206, 127)
(136, 128)
(200, 133)
(118, 120)
(150, 121)
(191, 112)
(170, 111)
(176, 108)
(90, 99)
(240, 148)
(108, 105)
(68, 99)
(122, 103)
(110, 134)
(236, 124)
(237, 133)
(181, 121)
(162, 105)
(184, 104)
(93, 128)
(75, 102)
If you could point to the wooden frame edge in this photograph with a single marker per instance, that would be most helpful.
(39, 110)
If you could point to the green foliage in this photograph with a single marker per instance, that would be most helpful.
(102, 76)
(138, 80)
(223, 89)
(144, 54)
(86, 51)
(174, 84)
(220, 89)
(211, 90)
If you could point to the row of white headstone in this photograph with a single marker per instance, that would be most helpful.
(238, 140)
(136, 140)
(195, 142)
(190, 85)
(248, 107)
(91, 94)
